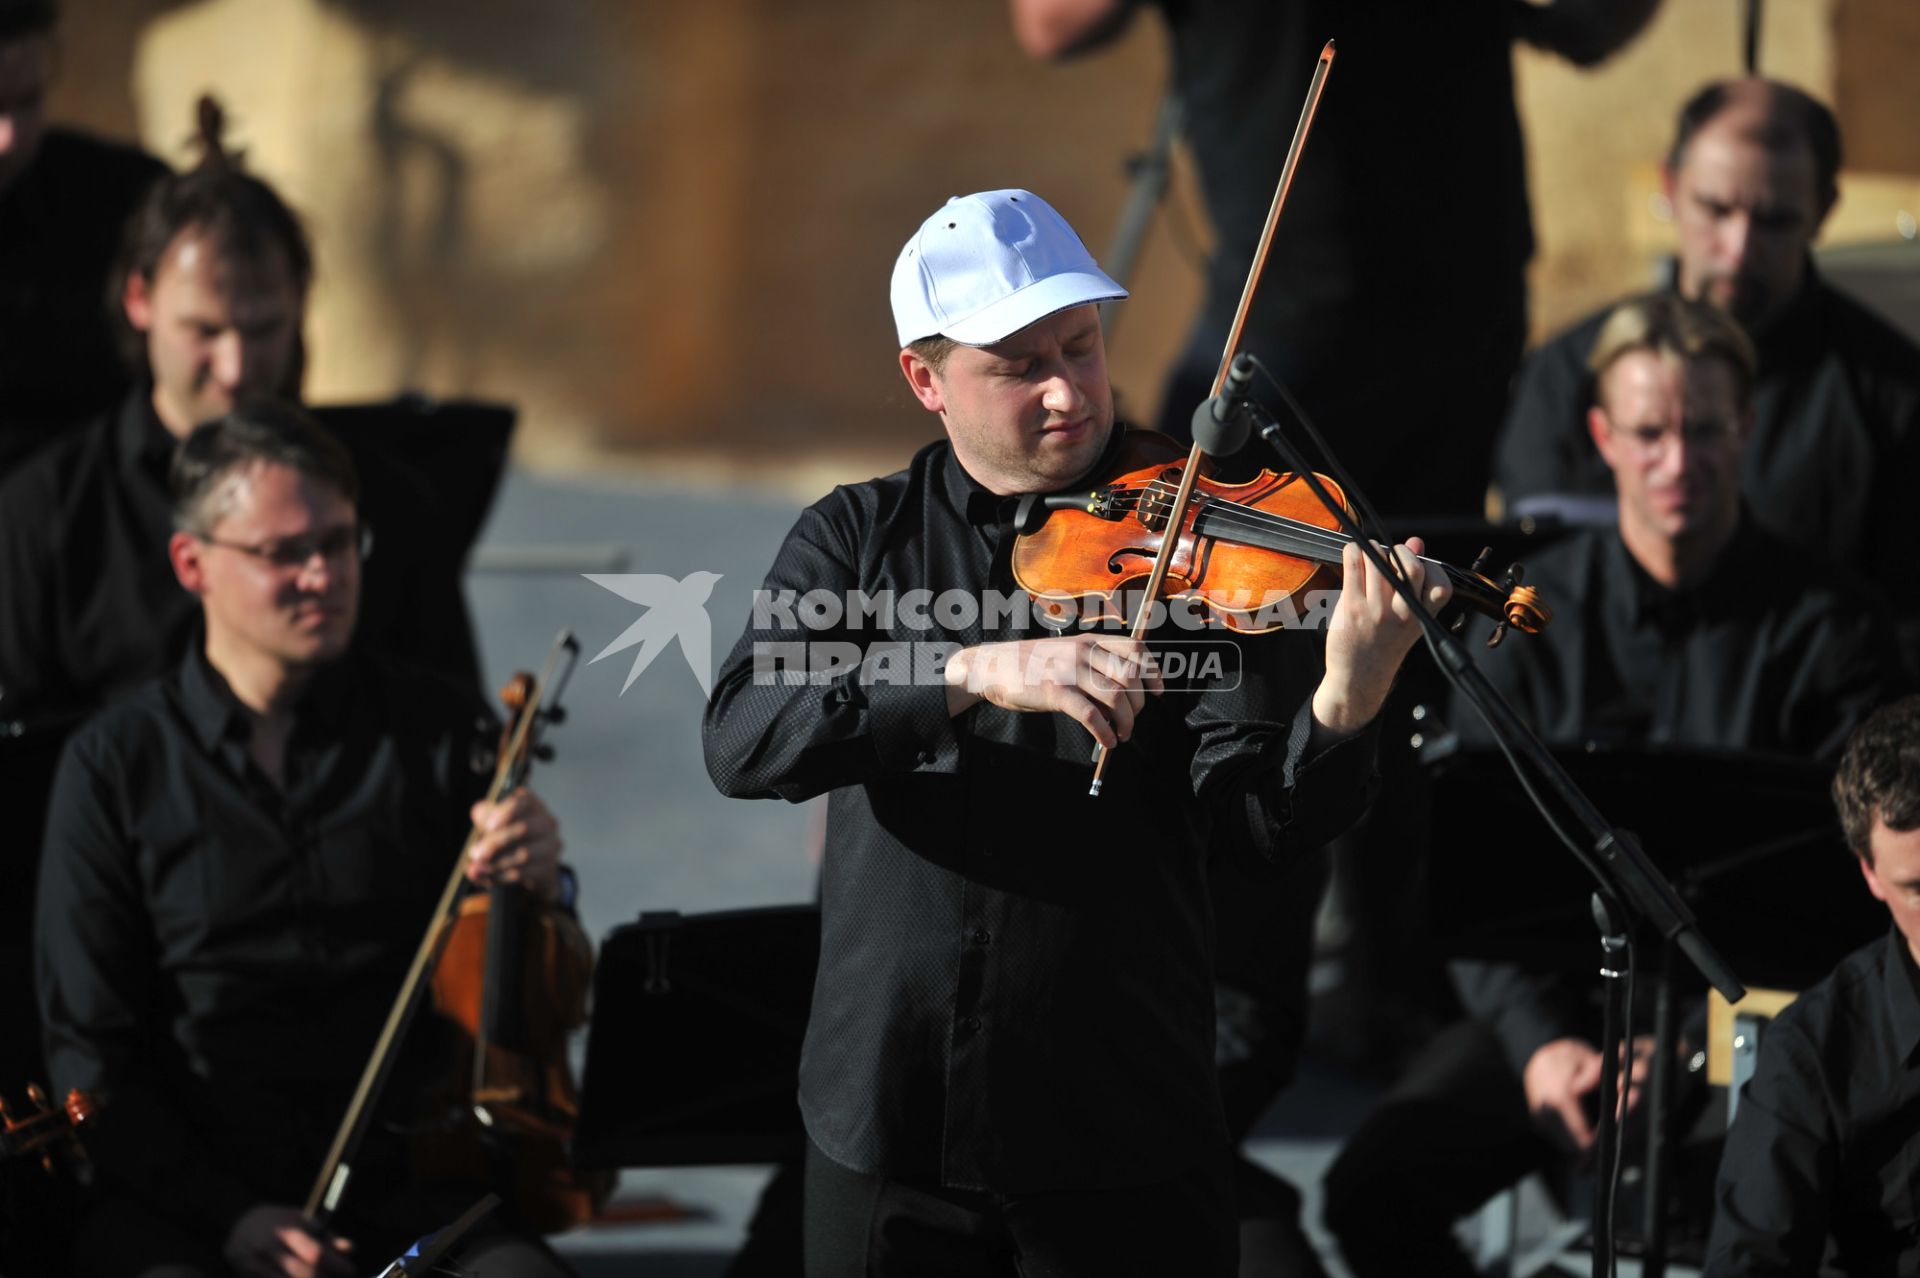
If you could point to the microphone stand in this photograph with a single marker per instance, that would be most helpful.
(1636, 891)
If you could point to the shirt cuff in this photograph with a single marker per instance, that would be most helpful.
(912, 730)
(1342, 767)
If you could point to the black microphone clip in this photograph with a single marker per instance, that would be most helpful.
(1219, 425)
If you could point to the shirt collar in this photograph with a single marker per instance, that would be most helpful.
(143, 446)
(975, 502)
(1724, 589)
(981, 506)
(1797, 329)
(217, 715)
(1901, 983)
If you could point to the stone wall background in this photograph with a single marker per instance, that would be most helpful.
(665, 229)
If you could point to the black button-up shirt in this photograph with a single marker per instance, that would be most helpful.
(1413, 79)
(1015, 985)
(216, 955)
(1773, 651)
(92, 605)
(60, 227)
(1835, 450)
(1821, 1173)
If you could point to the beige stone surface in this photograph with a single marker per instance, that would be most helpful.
(665, 229)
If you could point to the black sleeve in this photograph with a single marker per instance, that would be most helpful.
(1526, 1009)
(1850, 664)
(99, 1005)
(32, 677)
(774, 730)
(1543, 446)
(1253, 763)
(1779, 1168)
(1890, 563)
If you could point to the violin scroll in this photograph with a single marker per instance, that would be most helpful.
(40, 1129)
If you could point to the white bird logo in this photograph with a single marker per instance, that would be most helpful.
(675, 609)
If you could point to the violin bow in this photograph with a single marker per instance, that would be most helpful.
(509, 771)
(1177, 514)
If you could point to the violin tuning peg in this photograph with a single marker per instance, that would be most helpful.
(1499, 633)
(1480, 560)
(481, 759)
(35, 1096)
(544, 753)
(556, 714)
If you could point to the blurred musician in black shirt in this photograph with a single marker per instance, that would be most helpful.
(1673, 627)
(213, 293)
(1407, 228)
(64, 197)
(1834, 452)
(1817, 1175)
(241, 857)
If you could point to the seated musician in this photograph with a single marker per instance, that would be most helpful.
(1817, 1175)
(1687, 624)
(240, 859)
(212, 292)
(1751, 174)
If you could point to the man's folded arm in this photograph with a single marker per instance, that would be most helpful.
(799, 709)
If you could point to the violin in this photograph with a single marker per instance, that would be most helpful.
(1258, 541)
(1241, 551)
(41, 1131)
(511, 976)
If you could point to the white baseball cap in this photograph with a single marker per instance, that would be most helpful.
(986, 266)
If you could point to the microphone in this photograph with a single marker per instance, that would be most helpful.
(1219, 427)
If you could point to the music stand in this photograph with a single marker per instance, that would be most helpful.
(1749, 841)
(693, 1056)
(460, 444)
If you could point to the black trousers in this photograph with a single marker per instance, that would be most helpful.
(1454, 1132)
(861, 1226)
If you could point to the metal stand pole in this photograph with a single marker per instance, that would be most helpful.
(1151, 173)
(1609, 918)
(1659, 1113)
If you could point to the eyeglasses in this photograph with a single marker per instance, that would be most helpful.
(333, 545)
(1650, 443)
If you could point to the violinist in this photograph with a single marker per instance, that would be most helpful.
(240, 858)
(1009, 1062)
(1686, 624)
(210, 292)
